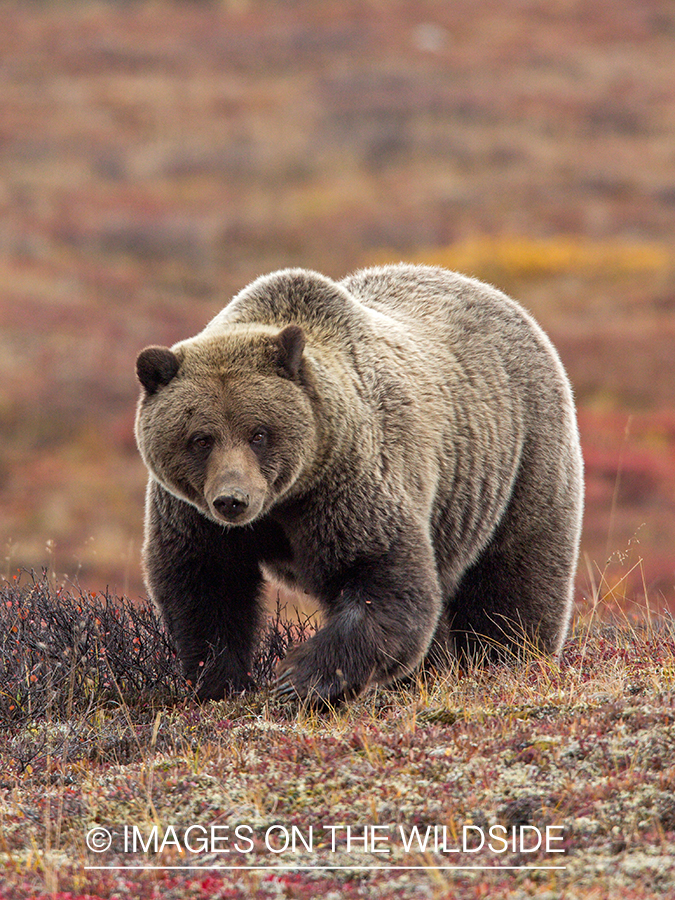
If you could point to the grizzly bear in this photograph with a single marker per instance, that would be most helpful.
(402, 445)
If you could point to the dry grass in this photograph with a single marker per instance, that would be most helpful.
(584, 744)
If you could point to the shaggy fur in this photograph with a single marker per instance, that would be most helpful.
(402, 445)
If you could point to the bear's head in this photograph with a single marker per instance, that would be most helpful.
(225, 422)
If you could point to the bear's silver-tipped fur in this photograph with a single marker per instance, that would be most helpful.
(402, 445)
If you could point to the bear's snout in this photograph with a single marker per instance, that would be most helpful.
(235, 488)
(232, 505)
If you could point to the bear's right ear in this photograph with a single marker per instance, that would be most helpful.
(155, 367)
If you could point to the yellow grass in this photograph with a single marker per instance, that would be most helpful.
(526, 257)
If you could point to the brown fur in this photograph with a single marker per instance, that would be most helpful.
(402, 445)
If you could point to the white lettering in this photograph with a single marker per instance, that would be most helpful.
(497, 837)
(242, 837)
(551, 837)
(465, 833)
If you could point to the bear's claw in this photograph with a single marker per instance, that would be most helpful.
(283, 687)
(298, 680)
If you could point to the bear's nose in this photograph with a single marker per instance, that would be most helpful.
(231, 506)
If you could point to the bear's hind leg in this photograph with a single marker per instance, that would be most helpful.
(516, 599)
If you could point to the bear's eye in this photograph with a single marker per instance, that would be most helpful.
(201, 441)
(258, 439)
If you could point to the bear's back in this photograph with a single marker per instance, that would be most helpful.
(418, 322)
(439, 302)
(451, 314)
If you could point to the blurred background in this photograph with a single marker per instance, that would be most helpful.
(155, 157)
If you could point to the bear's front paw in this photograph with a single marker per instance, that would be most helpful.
(301, 677)
(219, 687)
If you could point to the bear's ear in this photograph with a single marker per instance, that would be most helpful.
(155, 367)
(289, 345)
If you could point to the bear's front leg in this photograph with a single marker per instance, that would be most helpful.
(205, 580)
(380, 622)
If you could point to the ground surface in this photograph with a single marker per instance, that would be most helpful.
(108, 763)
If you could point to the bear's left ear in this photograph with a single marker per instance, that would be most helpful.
(289, 345)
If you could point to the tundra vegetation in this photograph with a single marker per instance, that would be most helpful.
(155, 158)
(100, 731)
